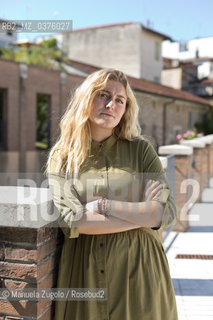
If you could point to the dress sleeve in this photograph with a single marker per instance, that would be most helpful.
(66, 200)
(153, 169)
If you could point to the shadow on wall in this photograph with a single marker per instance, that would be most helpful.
(9, 167)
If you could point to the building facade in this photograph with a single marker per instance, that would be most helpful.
(27, 91)
(7, 36)
(195, 48)
(130, 47)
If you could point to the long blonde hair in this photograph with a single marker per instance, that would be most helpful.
(75, 139)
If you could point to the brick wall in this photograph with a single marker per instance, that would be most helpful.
(159, 116)
(28, 259)
(22, 101)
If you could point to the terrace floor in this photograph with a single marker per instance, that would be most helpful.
(192, 270)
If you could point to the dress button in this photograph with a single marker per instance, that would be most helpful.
(62, 198)
(102, 271)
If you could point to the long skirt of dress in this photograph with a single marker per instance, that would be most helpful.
(131, 266)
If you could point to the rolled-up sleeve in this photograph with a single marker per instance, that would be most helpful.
(153, 169)
(66, 200)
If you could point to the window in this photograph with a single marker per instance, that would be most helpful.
(183, 46)
(154, 131)
(177, 130)
(3, 118)
(42, 123)
(156, 79)
(157, 51)
(143, 128)
(190, 120)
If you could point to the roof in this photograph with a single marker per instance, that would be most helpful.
(196, 59)
(158, 89)
(147, 86)
(165, 37)
(25, 43)
(206, 81)
(104, 26)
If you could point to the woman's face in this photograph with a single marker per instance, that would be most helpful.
(108, 107)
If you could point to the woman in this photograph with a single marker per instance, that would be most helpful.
(112, 195)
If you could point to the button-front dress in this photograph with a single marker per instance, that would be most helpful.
(131, 265)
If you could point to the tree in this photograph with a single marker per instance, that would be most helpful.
(46, 54)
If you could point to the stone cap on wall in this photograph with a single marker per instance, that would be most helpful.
(206, 139)
(209, 136)
(195, 143)
(176, 149)
(26, 207)
(164, 162)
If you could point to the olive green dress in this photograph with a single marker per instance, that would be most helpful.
(131, 265)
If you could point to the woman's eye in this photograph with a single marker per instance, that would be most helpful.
(120, 101)
(103, 95)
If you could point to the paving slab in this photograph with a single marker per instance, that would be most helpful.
(190, 258)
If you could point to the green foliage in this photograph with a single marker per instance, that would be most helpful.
(206, 126)
(51, 44)
(45, 54)
(42, 121)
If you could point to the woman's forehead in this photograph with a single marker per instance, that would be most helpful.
(115, 87)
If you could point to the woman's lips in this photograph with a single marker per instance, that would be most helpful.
(107, 114)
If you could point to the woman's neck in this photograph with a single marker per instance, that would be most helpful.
(99, 134)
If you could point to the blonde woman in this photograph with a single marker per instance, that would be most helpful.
(112, 194)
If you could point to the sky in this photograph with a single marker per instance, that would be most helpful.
(181, 19)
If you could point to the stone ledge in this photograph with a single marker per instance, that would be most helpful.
(194, 143)
(26, 207)
(210, 136)
(164, 162)
(206, 139)
(176, 149)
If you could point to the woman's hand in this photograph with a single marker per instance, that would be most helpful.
(92, 206)
(152, 191)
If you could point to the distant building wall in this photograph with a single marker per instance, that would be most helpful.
(111, 47)
(8, 36)
(130, 47)
(151, 57)
(161, 117)
(202, 47)
(21, 101)
(172, 78)
(180, 116)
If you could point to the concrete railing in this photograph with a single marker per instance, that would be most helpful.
(30, 240)
(193, 168)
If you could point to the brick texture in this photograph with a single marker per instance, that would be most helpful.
(29, 254)
(27, 235)
(24, 308)
(200, 168)
(182, 173)
(29, 259)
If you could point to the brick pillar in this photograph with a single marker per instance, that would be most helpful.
(211, 156)
(182, 175)
(209, 141)
(199, 164)
(29, 253)
(164, 163)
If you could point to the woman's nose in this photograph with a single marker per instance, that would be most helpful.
(110, 103)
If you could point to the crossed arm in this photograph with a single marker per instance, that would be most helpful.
(125, 215)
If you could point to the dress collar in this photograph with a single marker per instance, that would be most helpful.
(106, 144)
